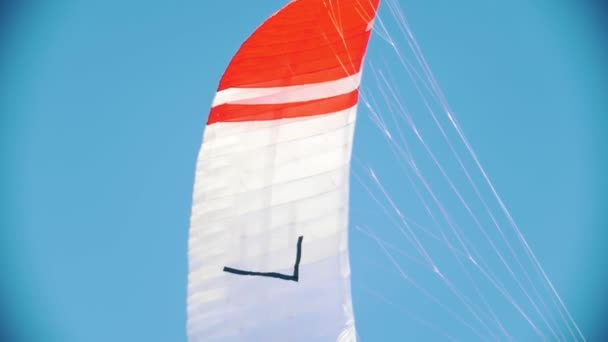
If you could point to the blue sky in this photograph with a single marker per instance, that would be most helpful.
(104, 105)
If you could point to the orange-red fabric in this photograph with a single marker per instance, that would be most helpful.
(303, 43)
(308, 41)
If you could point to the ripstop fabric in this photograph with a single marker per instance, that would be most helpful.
(268, 244)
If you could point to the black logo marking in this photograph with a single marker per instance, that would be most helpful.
(293, 277)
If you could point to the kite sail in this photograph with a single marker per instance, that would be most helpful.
(268, 245)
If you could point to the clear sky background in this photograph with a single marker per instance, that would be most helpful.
(103, 106)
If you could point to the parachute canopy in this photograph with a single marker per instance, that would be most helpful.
(268, 245)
